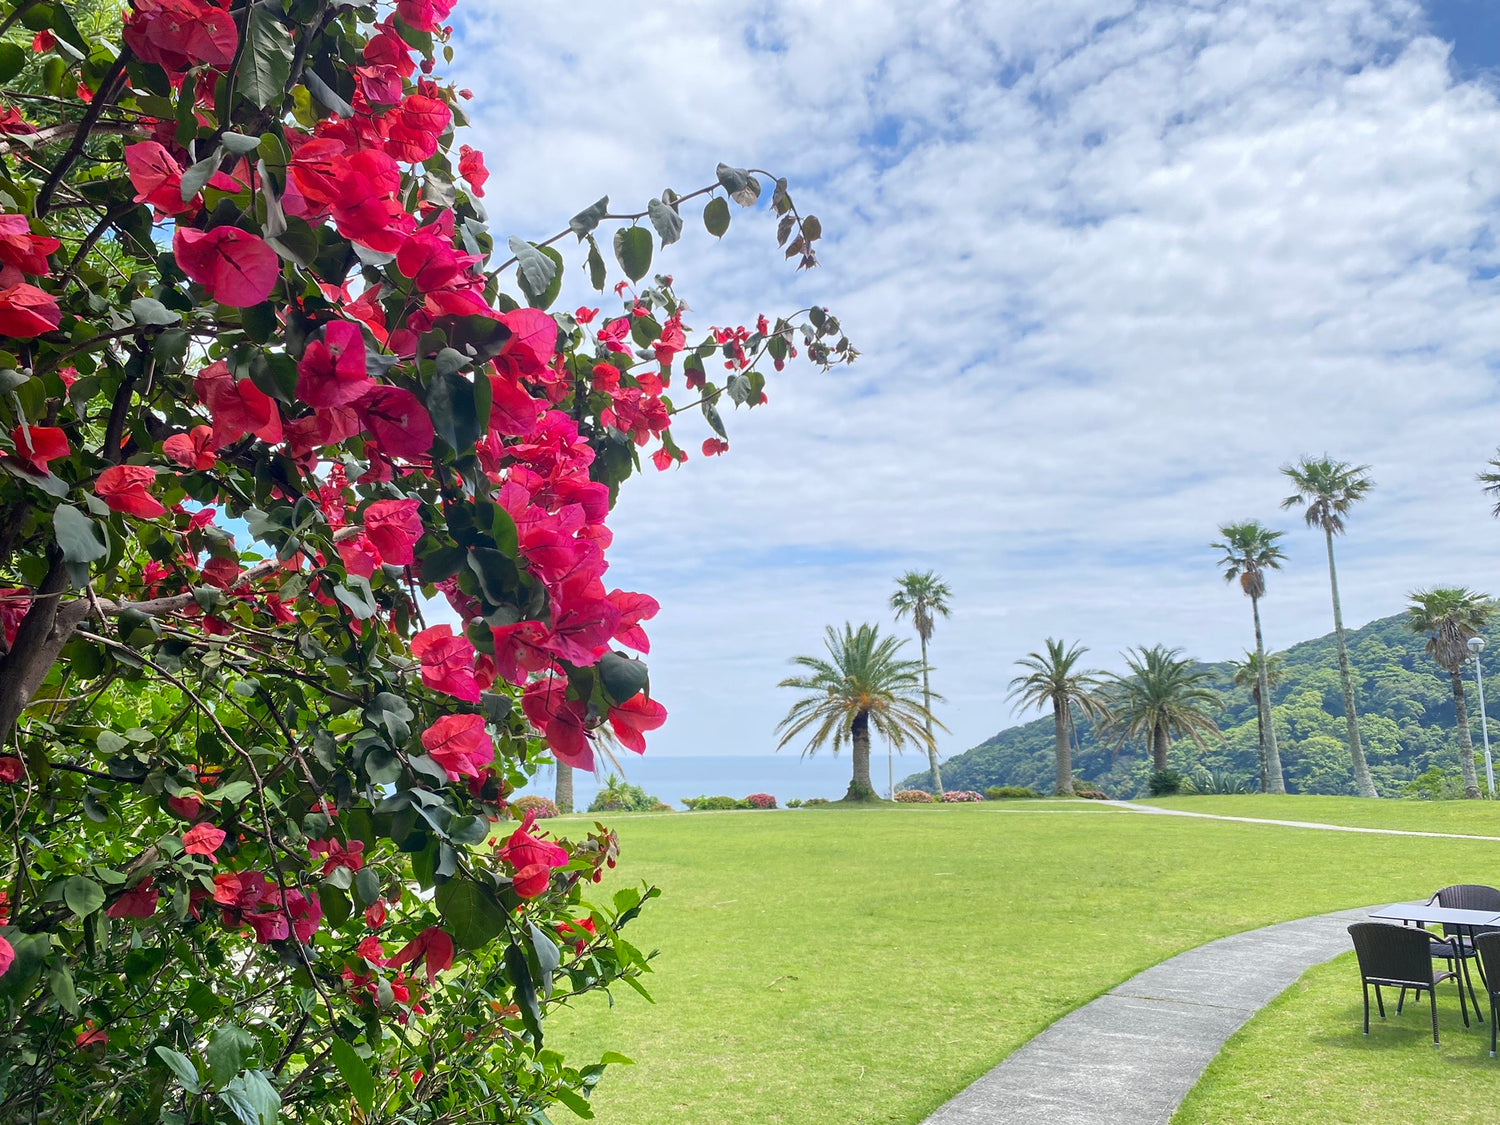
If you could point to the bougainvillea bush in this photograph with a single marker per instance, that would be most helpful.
(760, 801)
(961, 796)
(914, 797)
(304, 489)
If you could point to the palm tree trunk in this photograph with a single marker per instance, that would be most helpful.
(1270, 757)
(860, 788)
(563, 798)
(1260, 734)
(932, 761)
(1362, 781)
(1159, 744)
(1064, 749)
(1465, 740)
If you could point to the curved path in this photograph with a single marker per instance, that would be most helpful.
(1131, 1056)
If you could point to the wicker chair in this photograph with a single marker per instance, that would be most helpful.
(1487, 945)
(1457, 949)
(1399, 957)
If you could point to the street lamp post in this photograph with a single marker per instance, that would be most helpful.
(1476, 646)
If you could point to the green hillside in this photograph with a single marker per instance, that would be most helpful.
(1405, 718)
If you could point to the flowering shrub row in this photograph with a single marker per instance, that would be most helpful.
(956, 796)
(914, 797)
(540, 808)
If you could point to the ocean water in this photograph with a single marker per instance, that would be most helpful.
(784, 776)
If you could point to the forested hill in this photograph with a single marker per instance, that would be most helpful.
(1406, 723)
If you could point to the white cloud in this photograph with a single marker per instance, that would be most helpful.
(1110, 264)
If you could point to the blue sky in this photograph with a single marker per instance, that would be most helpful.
(1110, 262)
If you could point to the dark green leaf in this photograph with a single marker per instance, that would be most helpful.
(732, 179)
(633, 250)
(267, 61)
(151, 313)
(60, 981)
(181, 1066)
(12, 60)
(544, 299)
(78, 537)
(583, 223)
(450, 402)
(366, 886)
(470, 912)
(356, 594)
(336, 905)
(623, 678)
(711, 413)
(443, 563)
(355, 1073)
(666, 220)
(83, 895)
(520, 975)
(716, 216)
(326, 94)
(598, 275)
(228, 1047)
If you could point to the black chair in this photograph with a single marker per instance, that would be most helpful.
(1457, 948)
(1487, 945)
(1399, 957)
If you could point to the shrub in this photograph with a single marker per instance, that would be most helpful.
(661, 806)
(1009, 793)
(617, 796)
(1164, 783)
(794, 803)
(759, 801)
(710, 804)
(1435, 784)
(817, 801)
(544, 808)
(1215, 783)
(960, 796)
(1090, 793)
(914, 797)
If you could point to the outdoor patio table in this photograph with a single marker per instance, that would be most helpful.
(1424, 913)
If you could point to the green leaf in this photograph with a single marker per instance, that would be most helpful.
(252, 1098)
(232, 791)
(548, 957)
(623, 678)
(738, 388)
(633, 250)
(716, 216)
(598, 274)
(151, 313)
(60, 980)
(583, 223)
(326, 94)
(470, 913)
(182, 1066)
(366, 886)
(544, 299)
(574, 1101)
(520, 975)
(12, 60)
(79, 538)
(450, 402)
(228, 1047)
(666, 220)
(239, 144)
(732, 179)
(199, 174)
(711, 413)
(356, 594)
(534, 270)
(336, 905)
(355, 1073)
(267, 61)
(83, 895)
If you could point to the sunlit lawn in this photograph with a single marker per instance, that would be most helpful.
(1476, 818)
(863, 966)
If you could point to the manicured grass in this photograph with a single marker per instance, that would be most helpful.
(854, 965)
(1477, 818)
(1304, 1058)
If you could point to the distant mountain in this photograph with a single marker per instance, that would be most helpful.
(1406, 723)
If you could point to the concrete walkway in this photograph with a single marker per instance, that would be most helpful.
(1153, 810)
(1131, 1056)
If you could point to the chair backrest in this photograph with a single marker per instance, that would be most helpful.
(1392, 952)
(1487, 944)
(1467, 896)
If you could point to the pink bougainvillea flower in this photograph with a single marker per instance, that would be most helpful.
(633, 718)
(90, 1036)
(235, 267)
(560, 719)
(460, 744)
(187, 807)
(447, 663)
(532, 344)
(192, 450)
(397, 421)
(533, 858)
(180, 34)
(424, 15)
(36, 445)
(124, 489)
(370, 949)
(204, 840)
(15, 603)
(7, 956)
(432, 948)
(414, 127)
(138, 902)
(337, 855)
(634, 608)
(713, 446)
(513, 412)
(238, 407)
(375, 914)
(359, 555)
(332, 370)
(663, 458)
(394, 526)
(471, 167)
(20, 248)
(576, 932)
(157, 178)
(11, 770)
(26, 311)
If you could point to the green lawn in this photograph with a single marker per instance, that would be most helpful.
(1304, 1058)
(1475, 818)
(864, 965)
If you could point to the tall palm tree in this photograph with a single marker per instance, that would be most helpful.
(1491, 482)
(562, 793)
(1055, 678)
(1165, 697)
(863, 683)
(1327, 489)
(1450, 615)
(925, 597)
(1247, 674)
(1250, 549)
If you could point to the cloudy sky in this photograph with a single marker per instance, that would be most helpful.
(1110, 264)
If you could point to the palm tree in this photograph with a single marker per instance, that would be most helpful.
(1250, 549)
(864, 683)
(1055, 678)
(562, 794)
(1328, 489)
(1491, 482)
(925, 597)
(1450, 615)
(1247, 674)
(1163, 698)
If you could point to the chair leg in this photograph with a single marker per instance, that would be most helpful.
(1459, 980)
(1493, 1022)
(1469, 980)
(1366, 986)
(1400, 1001)
(1432, 996)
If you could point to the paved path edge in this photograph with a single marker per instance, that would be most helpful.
(1130, 1056)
